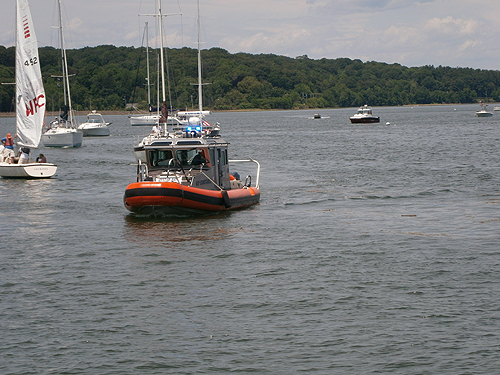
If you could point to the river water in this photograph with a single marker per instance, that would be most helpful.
(374, 249)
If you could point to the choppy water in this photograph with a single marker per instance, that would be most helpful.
(375, 249)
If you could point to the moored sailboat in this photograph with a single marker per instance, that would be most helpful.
(30, 100)
(62, 132)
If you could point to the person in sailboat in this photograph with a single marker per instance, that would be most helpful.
(24, 155)
(8, 151)
(41, 159)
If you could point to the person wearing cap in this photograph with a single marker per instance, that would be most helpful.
(8, 151)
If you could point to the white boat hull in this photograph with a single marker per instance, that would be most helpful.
(94, 131)
(483, 114)
(27, 171)
(144, 120)
(65, 138)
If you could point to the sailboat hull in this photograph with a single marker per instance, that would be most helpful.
(172, 198)
(144, 120)
(62, 137)
(27, 171)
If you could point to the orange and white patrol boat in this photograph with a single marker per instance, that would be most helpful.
(185, 170)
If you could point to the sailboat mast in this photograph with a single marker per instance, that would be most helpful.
(160, 19)
(147, 64)
(62, 54)
(65, 67)
(200, 91)
(160, 16)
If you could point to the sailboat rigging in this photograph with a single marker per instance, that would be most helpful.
(63, 131)
(151, 118)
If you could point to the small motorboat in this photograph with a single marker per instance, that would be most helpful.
(316, 116)
(483, 111)
(364, 116)
(95, 126)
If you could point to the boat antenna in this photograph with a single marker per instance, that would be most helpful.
(200, 96)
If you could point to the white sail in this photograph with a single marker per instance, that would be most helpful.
(30, 95)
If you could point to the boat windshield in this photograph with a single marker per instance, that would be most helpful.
(187, 158)
(160, 158)
(191, 157)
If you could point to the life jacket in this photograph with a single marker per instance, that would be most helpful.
(9, 142)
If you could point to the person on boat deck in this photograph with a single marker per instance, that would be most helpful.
(41, 159)
(24, 155)
(8, 151)
(164, 113)
(156, 129)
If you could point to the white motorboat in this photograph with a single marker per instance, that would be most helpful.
(30, 100)
(94, 126)
(63, 131)
(483, 111)
(364, 116)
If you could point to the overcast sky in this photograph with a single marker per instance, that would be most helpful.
(456, 33)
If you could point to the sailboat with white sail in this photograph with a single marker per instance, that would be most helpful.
(30, 100)
(63, 132)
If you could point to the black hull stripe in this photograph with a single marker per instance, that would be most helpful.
(200, 198)
(153, 192)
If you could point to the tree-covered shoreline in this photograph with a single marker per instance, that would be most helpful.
(110, 78)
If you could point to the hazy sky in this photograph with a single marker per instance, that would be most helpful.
(456, 33)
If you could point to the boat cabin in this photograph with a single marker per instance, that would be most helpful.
(199, 162)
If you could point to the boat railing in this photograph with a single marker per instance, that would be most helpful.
(250, 160)
(142, 171)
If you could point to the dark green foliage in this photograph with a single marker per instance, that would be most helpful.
(109, 77)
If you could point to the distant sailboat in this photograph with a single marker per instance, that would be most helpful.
(62, 131)
(30, 99)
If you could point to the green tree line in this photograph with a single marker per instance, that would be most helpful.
(108, 78)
